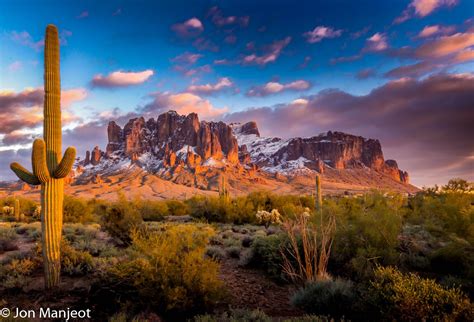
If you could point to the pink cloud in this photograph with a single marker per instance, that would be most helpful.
(464, 56)
(24, 110)
(83, 15)
(122, 79)
(277, 87)
(377, 42)
(25, 39)
(190, 28)
(321, 32)
(183, 103)
(188, 72)
(207, 89)
(15, 66)
(423, 8)
(433, 30)
(270, 53)
(205, 44)
(446, 45)
(221, 21)
(187, 58)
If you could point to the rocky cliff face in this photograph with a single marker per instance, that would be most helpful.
(174, 140)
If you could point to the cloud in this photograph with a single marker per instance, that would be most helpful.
(121, 79)
(345, 59)
(377, 42)
(189, 72)
(83, 15)
(15, 66)
(271, 88)
(414, 70)
(186, 58)
(446, 45)
(433, 30)
(269, 54)
(25, 39)
(205, 44)
(464, 56)
(321, 32)
(208, 89)
(423, 8)
(222, 21)
(190, 28)
(117, 12)
(21, 112)
(425, 124)
(365, 73)
(183, 103)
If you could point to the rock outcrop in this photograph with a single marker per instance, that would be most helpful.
(174, 140)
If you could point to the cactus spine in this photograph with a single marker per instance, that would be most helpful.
(17, 210)
(319, 197)
(49, 169)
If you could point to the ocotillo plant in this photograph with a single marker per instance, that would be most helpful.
(319, 198)
(17, 210)
(49, 169)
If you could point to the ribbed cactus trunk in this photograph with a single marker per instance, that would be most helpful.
(49, 169)
(17, 210)
(52, 190)
(319, 197)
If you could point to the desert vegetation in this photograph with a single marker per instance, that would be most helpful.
(373, 256)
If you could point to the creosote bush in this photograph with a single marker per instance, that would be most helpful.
(409, 297)
(326, 297)
(167, 270)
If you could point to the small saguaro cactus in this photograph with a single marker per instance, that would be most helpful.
(49, 168)
(223, 192)
(319, 198)
(17, 210)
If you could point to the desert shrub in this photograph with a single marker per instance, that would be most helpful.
(327, 297)
(76, 210)
(366, 234)
(209, 209)
(177, 208)
(454, 259)
(443, 212)
(233, 251)
(120, 218)
(216, 253)
(266, 254)
(8, 239)
(234, 316)
(153, 210)
(27, 206)
(16, 272)
(167, 270)
(75, 262)
(409, 297)
(267, 218)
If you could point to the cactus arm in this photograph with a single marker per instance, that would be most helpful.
(38, 160)
(24, 174)
(66, 163)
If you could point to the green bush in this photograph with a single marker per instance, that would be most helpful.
(177, 208)
(234, 316)
(408, 297)
(328, 297)
(266, 254)
(153, 210)
(76, 210)
(367, 230)
(8, 239)
(75, 262)
(453, 259)
(167, 270)
(120, 218)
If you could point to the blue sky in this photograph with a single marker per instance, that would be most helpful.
(229, 58)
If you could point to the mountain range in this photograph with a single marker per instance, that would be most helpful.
(177, 156)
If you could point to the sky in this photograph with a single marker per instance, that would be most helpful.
(401, 71)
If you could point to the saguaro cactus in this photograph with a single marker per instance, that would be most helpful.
(49, 169)
(223, 192)
(319, 197)
(17, 210)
